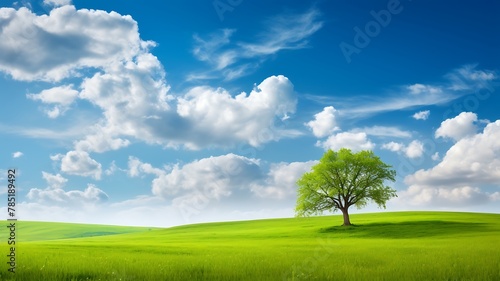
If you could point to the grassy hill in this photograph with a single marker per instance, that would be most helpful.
(381, 246)
(42, 231)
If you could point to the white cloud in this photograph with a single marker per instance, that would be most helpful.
(136, 168)
(383, 131)
(62, 97)
(281, 180)
(324, 122)
(233, 60)
(57, 3)
(17, 154)
(403, 100)
(128, 84)
(459, 127)
(218, 118)
(393, 146)
(202, 117)
(210, 178)
(79, 163)
(414, 149)
(285, 32)
(130, 96)
(458, 83)
(469, 78)
(113, 168)
(470, 161)
(215, 184)
(495, 196)
(54, 181)
(436, 156)
(417, 89)
(56, 157)
(101, 140)
(57, 196)
(205, 48)
(469, 165)
(460, 196)
(422, 115)
(74, 131)
(140, 201)
(63, 42)
(54, 195)
(197, 185)
(353, 141)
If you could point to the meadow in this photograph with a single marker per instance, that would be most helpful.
(380, 246)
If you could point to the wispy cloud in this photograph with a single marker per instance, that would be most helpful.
(45, 133)
(17, 154)
(392, 102)
(457, 83)
(383, 131)
(236, 59)
(285, 32)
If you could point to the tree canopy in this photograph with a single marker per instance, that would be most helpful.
(342, 179)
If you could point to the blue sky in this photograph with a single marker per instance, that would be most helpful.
(175, 112)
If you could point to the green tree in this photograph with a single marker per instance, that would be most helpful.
(342, 179)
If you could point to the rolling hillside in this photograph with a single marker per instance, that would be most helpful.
(381, 246)
(41, 231)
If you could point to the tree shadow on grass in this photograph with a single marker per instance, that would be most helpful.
(408, 229)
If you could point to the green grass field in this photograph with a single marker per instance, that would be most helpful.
(382, 246)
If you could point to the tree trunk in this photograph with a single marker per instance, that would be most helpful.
(347, 222)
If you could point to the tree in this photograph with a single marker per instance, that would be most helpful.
(342, 179)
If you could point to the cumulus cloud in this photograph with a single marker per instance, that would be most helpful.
(200, 183)
(354, 141)
(91, 195)
(61, 97)
(469, 165)
(136, 168)
(218, 118)
(281, 180)
(213, 177)
(54, 181)
(122, 78)
(324, 122)
(64, 42)
(393, 146)
(458, 127)
(79, 163)
(470, 161)
(414, 149)
(421, 195)
(184, 193)
(55, 195)
(202, 117)
(421, 115)
(101, 139)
